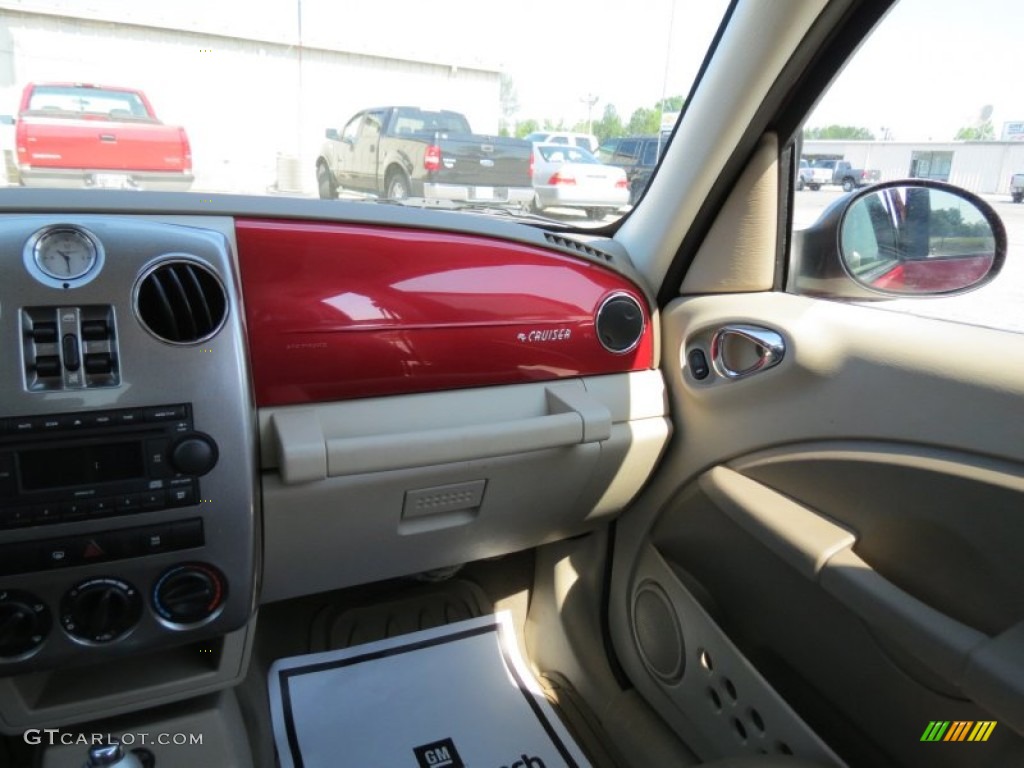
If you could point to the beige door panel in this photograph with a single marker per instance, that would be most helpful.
(851, 517)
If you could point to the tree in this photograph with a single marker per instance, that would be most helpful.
(551, 125)
(526, 127)
(509, 103)
(981, 132)
(610, 125)
(848, 132)
(671, 104)
(644, 120)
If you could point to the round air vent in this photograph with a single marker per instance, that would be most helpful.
(620, 323)
(181, 302)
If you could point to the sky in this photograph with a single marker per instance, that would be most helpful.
(928, 70)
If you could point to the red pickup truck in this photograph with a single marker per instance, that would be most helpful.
(75, 135)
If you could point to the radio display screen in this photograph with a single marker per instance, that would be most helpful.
(80, 465)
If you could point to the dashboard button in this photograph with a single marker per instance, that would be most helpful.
(44, 333)
(153, 539)
(102, 419)
(153, 499)
(95, 330)
(60, 554)
(100, 507)
(22, 426)
(134, 416)
(98, 363)
(76, 510)
(187, 534)
(181, 497)
(166, 413)
(69, 345)
(46, 513)
(18, 516)
(48, 365)
(129, 503)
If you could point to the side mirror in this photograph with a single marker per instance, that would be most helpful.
(898, 239)
(332, 134)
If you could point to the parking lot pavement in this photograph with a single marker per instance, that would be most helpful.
(1000, 304)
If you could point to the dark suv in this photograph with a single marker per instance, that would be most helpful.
(638, 155)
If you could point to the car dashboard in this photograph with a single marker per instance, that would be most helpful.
(209, 404)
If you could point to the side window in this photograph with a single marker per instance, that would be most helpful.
(559, 140)
(352, 128)
(582, 141)
(606, 151)
(969, 136)
(650, 153)
(627, 151)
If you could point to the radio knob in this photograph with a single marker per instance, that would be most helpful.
(24, 622)
(100, 610)
(188, 594)
(195, 454)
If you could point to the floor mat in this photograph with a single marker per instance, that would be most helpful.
(423, 607)
(452, 696)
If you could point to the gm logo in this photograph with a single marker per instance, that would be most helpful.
(438, 754)
(958, 730)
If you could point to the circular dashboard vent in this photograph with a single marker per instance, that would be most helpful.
(181, 302)
(620, 323)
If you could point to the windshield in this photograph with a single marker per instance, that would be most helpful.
(260, 99)
(557, 153)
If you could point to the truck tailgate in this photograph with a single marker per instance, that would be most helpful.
(101, 145)
(479, 160)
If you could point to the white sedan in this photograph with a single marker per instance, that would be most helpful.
(571, 177)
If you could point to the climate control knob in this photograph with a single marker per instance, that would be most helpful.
(189, 593)
(24, 622)
(100, 610)
(194, 454)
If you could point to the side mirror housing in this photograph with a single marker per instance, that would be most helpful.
(900, 239)
(332, 134)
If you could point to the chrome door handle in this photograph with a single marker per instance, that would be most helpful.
(738, 351)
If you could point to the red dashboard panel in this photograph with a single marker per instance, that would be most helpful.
(342, 311)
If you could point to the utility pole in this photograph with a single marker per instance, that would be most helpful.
(590, 100)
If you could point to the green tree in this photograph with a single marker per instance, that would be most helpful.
(848, 132)
(525, 127)
(509, 104)
(981, 132)
(644, 120)
(671, 104)
(551, 125)
(610, 125)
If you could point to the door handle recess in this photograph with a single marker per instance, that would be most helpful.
(989, 670)
(740, 350)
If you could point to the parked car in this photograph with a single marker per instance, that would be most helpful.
(77, 135)
(586, 140)
(570, 177)
(845, 175)
(1017, 187)
(638, 156)
(400, 152)
(812, 177)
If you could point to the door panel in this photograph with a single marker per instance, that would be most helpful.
(851, 519)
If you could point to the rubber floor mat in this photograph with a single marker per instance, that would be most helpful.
(425, 607)
(453, 696)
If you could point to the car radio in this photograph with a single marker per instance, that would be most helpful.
(78, 466)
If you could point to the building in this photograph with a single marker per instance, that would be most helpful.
(982, 167)
(255, 94)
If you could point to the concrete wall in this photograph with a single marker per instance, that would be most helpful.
(245, 103)
(981, 167)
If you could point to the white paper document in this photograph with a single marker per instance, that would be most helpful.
(457, 696)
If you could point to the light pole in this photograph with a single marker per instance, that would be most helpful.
(590, 100)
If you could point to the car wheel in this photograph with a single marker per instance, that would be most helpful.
(397, 187)
(596, 214)
(800, 184)
(535, 205)
(815, 187)
(847, 185)
(325, 183)
(1018, 197)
